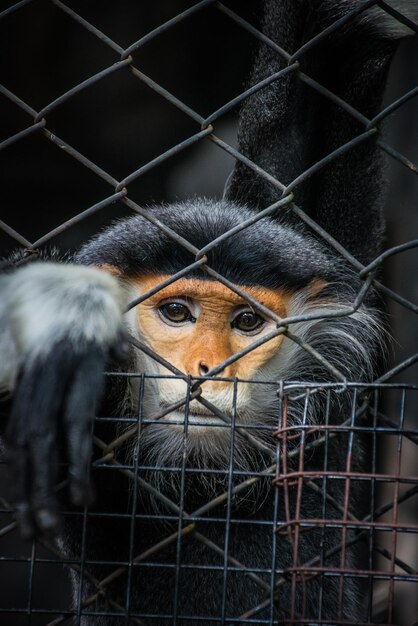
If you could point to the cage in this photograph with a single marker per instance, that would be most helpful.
(108, 109)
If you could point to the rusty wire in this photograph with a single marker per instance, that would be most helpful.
(287, 469)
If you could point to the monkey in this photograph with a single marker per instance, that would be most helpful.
(270, 302)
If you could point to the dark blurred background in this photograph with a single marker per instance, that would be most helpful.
(120, 124)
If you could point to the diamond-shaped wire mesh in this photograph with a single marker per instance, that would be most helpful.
(97, 127)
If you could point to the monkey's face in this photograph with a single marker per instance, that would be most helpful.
(197, 325)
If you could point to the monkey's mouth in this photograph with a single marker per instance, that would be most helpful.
(193, 417)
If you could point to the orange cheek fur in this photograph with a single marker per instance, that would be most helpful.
(210, 340)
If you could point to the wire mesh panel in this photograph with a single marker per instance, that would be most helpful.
(272, 499)
(345, 527)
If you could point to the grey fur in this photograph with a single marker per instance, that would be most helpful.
(44, 303)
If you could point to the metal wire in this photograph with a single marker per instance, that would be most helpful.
(288, 476)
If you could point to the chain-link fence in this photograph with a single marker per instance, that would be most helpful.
(95, 128)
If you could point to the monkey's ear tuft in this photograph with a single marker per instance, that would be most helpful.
(316, 286)
(110, 269)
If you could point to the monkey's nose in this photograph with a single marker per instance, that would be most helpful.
(203, 368)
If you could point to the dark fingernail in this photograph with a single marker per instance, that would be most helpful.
(81, 493)
(47, 520)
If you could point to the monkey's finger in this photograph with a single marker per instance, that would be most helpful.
(25, 521)
(32, 433)
(19, 460)
(120, 348)
(82, 399)
(43, 502)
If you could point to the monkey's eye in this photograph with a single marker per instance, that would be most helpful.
(247, 322)
(176, 312)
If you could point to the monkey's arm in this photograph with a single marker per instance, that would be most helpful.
(291, 124)
(59, 323)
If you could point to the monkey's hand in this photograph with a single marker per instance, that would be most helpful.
(58, 325)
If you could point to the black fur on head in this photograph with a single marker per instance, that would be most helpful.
(265, 253)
